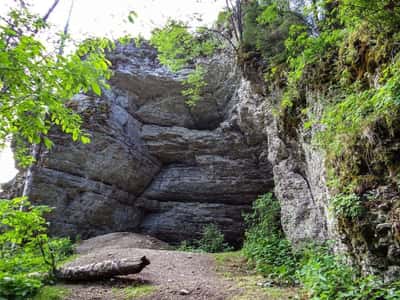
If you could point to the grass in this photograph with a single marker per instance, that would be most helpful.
(67, 260)
(51, 293)
(233, 266)
(133, 292)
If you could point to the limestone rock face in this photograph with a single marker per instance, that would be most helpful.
(154, 164)
(298, 170)
(160, 167)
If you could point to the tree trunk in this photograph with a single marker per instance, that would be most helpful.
(102, 270)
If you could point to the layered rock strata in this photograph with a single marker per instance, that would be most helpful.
(154, 164)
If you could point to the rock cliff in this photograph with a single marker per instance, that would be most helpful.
(154, 164)
(160, 167)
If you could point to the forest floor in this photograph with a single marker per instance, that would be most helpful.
(171, 275)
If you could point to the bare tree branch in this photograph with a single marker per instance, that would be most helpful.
(232, 13)
(66, 28)
(51, 9)
(226, 38)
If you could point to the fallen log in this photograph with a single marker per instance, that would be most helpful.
(102, 270)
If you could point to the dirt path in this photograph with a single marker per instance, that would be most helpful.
(171, 274)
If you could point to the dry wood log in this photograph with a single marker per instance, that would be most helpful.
(102, 270)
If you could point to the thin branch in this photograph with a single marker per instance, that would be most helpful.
(231, 10)
(22, 4)
(226, 38)
(51, 9)
(239, 19)
(66, 28)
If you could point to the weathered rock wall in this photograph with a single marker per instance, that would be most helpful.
(154, 164)
(298, 168)
(158, 166)
(300, 184)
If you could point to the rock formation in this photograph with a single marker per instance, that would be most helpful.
(160, 167)
(154, 164)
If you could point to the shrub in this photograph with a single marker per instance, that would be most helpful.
(266, 27)
(212, 241)
(323, 274)
(27, 254)
(265, 244)
(381, 15)
(348, 206)
(195, 83)
(326, 276)
(360, 131)
(177, 46)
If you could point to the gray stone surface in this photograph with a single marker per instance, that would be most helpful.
(154, 164)
(185, 221)
(298, 178)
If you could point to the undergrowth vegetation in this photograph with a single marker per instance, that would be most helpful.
(265, 243)
(324, 275)
(211, 241)
(28, 256)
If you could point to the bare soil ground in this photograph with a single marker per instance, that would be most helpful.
(171, 275)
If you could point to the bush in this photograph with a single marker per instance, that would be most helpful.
(195, 83)
(323, 275)
(348, 206)
(265, 244)
(28, 256)
(177, 46)
(18, 286)
(326, 276)
(265, 30)
(212, 241)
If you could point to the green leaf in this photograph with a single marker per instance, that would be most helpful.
(85, 139)
(132, 16)
(96, 89)
(48, 143)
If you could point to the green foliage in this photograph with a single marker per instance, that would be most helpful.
(177, 46)
(212, 241)
(25, 248)
(18, 286)
(343, 45)
(348, 206)
(195, 83)
(223, 18)
(265, 245)
(266, 27)
(323, 275)
(349, 55)
(304, 50)
(355, 128)
(36, 83)
(382, 15)
(326, 276)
